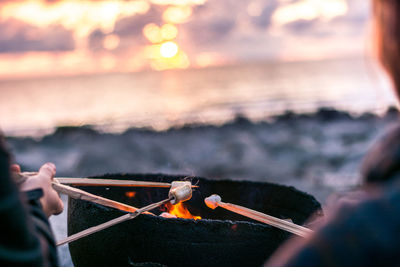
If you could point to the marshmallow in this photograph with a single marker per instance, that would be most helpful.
(180, 191)
(167, 215)
(212, 201)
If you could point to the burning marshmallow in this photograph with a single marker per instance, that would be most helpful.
(180, 191)
(212, 201)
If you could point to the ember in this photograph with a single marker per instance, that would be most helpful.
(130, 194)
(180, 211)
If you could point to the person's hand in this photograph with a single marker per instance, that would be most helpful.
(51, 201)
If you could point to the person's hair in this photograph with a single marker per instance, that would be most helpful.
(386, 15)
(382, 162)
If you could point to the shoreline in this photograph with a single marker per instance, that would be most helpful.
(321, 114)
(288, 148)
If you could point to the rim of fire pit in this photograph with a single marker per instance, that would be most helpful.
(161, 177)
(181, 239)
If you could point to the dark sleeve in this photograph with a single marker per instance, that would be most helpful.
(22, 243)
(367, 234)
(42, 226)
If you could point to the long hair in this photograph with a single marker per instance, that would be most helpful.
(386, 15)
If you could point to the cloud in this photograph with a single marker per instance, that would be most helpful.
(95, 40)
(213, 31)
(240, 29)
(359, 11)
(17, 36)
(264, 19)
(352, 23)
(303, 27)
(128, 29)
(210, 23)
(133, 25)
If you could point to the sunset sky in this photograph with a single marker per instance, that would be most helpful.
(77, 37)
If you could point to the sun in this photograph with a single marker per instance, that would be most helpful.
(169, 49)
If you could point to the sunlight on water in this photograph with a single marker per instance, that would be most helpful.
(115, 102)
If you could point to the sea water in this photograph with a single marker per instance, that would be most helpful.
(116, 101)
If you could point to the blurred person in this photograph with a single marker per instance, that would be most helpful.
(363, 229)
(26, 238)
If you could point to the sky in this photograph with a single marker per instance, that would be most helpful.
(77, 37)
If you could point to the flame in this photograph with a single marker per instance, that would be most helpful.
(180, 211)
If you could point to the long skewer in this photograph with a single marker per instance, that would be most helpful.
(102, 182)
(110, 223)
(110, 182)
(215, 201)
(180, 191)
(80, 194)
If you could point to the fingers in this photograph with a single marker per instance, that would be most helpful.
(59, 207)
(48, 169)
(51, 201)
(15, 168)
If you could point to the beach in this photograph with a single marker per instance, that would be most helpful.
(319, 153)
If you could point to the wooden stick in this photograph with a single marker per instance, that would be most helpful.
(80, 194)
(115, 221)
(215, 201)
(100, 182)
(109, 182)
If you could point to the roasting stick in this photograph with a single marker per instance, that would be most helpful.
(180, 191)
(76, 193)
(80, 194)
(215, 201)
(102, 182)
(110, 182)
(115, 221)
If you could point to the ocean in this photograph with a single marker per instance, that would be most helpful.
(116, 101)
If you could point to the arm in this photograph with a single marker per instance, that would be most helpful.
(364, 234)
(18, 243)
(27, 239)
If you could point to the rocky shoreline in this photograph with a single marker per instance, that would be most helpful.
(291, 148)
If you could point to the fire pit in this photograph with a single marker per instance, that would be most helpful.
(219, 238)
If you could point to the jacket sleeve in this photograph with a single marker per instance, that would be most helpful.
(26, 238)
(366, 234)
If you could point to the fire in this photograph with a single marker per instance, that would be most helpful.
(180, 211)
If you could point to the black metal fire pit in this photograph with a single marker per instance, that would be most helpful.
(221, 238)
